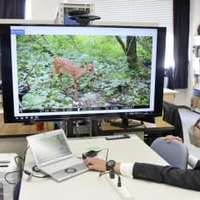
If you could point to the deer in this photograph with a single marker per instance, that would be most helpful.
(68, 67)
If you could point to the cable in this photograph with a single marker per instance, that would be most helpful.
(36, 169)
(21, 166)
(6, 175)
(106, 154)
(16, 161)
(27, 172)
(30, 174)
(119, 182)
(106, 159)
(103, 173)
(9, 173)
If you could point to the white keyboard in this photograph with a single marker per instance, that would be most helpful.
(61, 165)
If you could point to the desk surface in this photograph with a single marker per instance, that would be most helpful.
(19, 128)
(89, 186)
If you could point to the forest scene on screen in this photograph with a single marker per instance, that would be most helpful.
(58, 72)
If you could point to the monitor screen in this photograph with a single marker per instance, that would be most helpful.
(55, 72)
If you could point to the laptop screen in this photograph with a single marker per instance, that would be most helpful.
(49, 146)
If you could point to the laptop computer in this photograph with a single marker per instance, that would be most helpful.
(53, 155)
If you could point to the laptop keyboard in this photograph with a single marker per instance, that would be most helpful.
(70, 171)
(61, 165)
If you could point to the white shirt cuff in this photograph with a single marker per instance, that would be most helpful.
(126, 169)
(192, 160)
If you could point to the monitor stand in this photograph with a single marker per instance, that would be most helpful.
(81, 127)
(127, 123)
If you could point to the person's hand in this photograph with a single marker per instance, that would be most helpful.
(95, 164)
(98, 164)
(169, 138)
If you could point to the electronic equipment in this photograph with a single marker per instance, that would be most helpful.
(122, 190)
(82, 18)
(91, 153)
(9, 174)
(43, 78)
(117, 137)
(54, 157)
(110, 164)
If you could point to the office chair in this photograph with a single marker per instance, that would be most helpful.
(172, 116)
(175, 153)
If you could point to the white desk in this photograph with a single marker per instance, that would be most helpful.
(89, 186)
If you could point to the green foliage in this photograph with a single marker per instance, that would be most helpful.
(113, 81)
(144, 51)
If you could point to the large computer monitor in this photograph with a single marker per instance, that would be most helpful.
(59, 72)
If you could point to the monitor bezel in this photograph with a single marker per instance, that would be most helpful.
(7, 86)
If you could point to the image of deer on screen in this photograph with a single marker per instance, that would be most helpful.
(83, 72)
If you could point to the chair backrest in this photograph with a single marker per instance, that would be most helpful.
(175, 152)
(172, 116)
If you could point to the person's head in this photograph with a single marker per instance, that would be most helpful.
(197, 124)
(195, 133)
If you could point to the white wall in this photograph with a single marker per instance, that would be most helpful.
(44, 9)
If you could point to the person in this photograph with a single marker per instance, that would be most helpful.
(188, 179)
(194, 134)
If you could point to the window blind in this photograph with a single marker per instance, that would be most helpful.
(142, 11)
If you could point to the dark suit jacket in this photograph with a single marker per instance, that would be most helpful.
(188, 179)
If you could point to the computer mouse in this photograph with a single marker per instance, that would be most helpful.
(91, 153)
